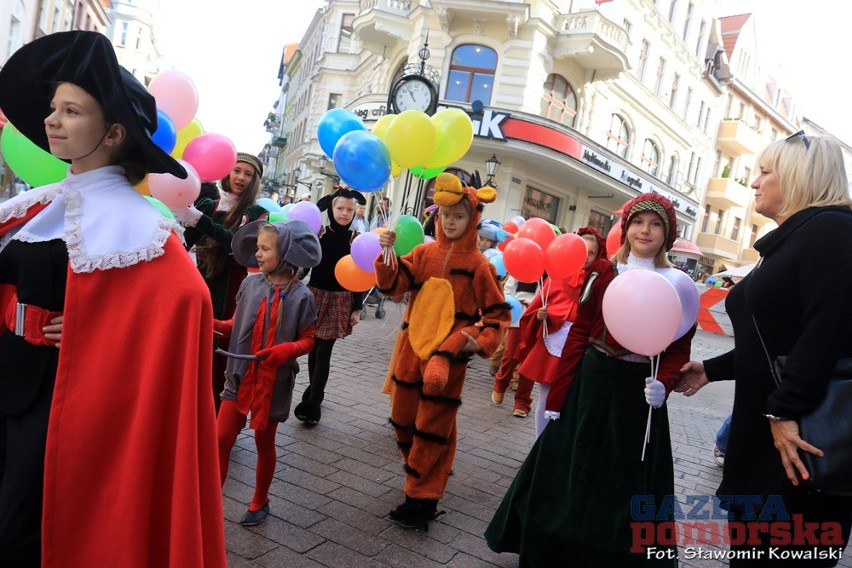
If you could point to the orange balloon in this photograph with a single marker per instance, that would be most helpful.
(352, 277)
(378, 230)
(142, 186)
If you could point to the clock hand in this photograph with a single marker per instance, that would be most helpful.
(410, 94)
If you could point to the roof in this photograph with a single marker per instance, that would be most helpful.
(731, 27)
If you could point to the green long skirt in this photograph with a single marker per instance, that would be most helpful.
(574, 499)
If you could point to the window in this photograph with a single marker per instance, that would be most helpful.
(673, 94)
(706, 120)
(16, 30)
(672, 11)
(650, 157)
(471, 75)
(643, 58)
(735, 230)
(661, 70)
(540, 204)
(627, 27)
(599, 222)
(719, 215)
(344, 41)
(694, 180)
(618, 136)
(671, 177)
(753, 238)
(138, 38)
(690, 171)
(334, 100)
(558, 101)
(747, 175)
(687, 103)
(701, 31)
(700, 115)
(122, 40)
(689, 10)
(706, 219)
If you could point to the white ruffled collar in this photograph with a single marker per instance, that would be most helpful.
(104, 222)
(636, 262)
(227, 201)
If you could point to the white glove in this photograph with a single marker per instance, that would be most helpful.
(551, 415)
(655, 392)
(188, 216)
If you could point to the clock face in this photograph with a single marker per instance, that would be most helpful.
(412, 94)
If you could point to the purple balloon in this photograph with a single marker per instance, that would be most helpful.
(690, 302)
(307, 212)
(365, 249)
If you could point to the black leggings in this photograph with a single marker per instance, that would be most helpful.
(319, 361)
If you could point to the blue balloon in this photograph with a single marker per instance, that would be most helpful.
(362, 161)
(269, 205)
(517, 308)
(497, 261)
(166, 134)
(333, 125)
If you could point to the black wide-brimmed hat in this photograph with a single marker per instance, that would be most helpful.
(86, 59)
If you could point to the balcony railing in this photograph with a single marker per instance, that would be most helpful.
(401, 7)
(382, 23)
(724, 193)
(737, 138)
(593, 40)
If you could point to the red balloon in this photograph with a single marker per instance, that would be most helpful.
(539, 231)
(613, 239)
(510, 227)
(502, 246)
(524, 260)
(565, 256)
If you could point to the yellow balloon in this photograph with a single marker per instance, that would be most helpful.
(410, 138)
(185, 135)
(454, 131)
(395, 169)
(381, 126)
(142, 186)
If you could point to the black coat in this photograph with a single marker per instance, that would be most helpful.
(799, 295)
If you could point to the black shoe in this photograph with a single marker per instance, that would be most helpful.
(252, 518)
(416, 513)
(308, 413)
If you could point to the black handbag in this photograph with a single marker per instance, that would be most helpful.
(828, 427)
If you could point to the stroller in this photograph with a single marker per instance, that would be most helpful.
(374, 298)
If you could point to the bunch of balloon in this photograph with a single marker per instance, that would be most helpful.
(360, 158)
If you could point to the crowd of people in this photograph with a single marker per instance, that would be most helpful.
(83, 260)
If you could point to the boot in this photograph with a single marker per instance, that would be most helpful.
(415, 513)
(308, 412)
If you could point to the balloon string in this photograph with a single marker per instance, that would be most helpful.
(545, 292)
(654, 370)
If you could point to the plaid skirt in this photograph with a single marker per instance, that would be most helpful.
(333, 311)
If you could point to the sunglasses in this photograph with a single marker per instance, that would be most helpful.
(800, 134)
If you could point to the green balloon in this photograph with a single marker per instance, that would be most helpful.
(161, 207)
(28, 161)
(278, 217)
(409, 234)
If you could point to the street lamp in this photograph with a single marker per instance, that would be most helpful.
(296, 181)
(491, 165)
(322, 163)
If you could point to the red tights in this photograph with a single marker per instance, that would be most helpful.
(229, 425)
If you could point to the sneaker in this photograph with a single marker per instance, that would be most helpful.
(416, 513)
(718, 456)
(497, 397)
(520, 413)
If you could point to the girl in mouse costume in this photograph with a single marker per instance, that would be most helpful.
(571, 501)
(339, 309)
(274, 319)
(111, 439)
(456, 309)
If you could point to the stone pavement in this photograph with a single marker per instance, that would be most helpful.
(336, 482)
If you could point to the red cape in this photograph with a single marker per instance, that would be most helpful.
(131, 469)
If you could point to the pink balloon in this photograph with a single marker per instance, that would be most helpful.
(690, 300)
(175, 192)
(642, 311)
(307, 212)
(176, 95)
(365, 248)
(212, 155)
